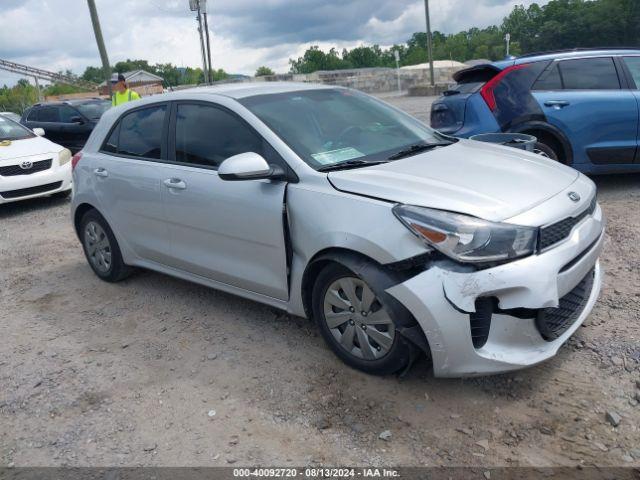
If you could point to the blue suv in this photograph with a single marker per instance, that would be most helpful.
(582, 105)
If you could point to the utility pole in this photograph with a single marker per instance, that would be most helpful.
(429, 42)
(396, 54)
(194, 6)
(38, 89)
(106, 68)
(203, 6)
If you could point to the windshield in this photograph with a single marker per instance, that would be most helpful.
(331, 126)
(11, 116)
(10, 130)
(93, 110)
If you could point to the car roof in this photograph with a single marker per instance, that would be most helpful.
(82, 101)
(250, 89)
(574, 53)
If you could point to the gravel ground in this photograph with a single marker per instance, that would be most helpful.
(158, 371)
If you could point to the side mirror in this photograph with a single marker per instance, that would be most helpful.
(77, 120)
(39, 131)
(249, 166)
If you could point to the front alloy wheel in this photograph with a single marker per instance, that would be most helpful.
(357, 320)
(356, 323)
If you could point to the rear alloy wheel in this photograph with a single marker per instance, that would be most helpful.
(355, 323)
(98, 247)
(101, 248)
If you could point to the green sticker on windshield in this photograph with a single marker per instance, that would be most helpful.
(337, 156)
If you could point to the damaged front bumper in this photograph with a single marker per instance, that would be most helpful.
(444, 299)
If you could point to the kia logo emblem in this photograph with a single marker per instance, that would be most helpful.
(26, 165)
(574, 197)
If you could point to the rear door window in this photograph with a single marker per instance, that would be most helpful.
(49, 114)
(633, 64)
(138, 134)
(589, 74)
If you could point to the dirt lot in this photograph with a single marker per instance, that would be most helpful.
(158, 371)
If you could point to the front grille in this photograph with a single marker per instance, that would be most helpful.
(25, 192)
(13, 170)
(553, 322)
(560, 230)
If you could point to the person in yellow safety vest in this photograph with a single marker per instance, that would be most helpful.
(121, 93)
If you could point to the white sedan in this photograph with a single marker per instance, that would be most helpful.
(31, 166)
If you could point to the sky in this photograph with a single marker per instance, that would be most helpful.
(245, 34)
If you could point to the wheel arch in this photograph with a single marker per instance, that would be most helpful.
(542, 130)
(80, 212)
(378, 276)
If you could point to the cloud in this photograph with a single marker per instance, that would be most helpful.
(57, 34)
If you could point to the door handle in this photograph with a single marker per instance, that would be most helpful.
(558, 104)
(100, 172)
(175, 183)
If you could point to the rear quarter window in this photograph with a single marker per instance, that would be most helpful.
(550, 79)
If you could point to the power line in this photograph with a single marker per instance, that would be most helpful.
(52, 77)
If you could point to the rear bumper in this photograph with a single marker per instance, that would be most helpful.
(56, 179)
(442, 298)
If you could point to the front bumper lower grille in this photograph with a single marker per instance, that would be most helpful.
(550, 322)
(553, 322)
(25, 192)
(557, 232)
(14, 170)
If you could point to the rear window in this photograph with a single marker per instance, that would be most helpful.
(465, 87)
(589, 74)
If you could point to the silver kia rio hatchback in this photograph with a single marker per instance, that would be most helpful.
(329, 204)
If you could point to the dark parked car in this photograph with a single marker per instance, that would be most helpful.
(66, 123)
(582, 105)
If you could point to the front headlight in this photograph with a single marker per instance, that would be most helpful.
(64, 156)
(468, 239)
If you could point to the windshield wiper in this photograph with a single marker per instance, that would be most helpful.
(417, 148)
(350, 164)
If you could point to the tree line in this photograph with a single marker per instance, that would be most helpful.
(172, 75)
(560, 24)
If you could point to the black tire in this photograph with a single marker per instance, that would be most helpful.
(115, 270)
(399, 354)
(545, 150)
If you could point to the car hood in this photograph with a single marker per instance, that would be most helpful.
(479, 179)
(27, 148)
